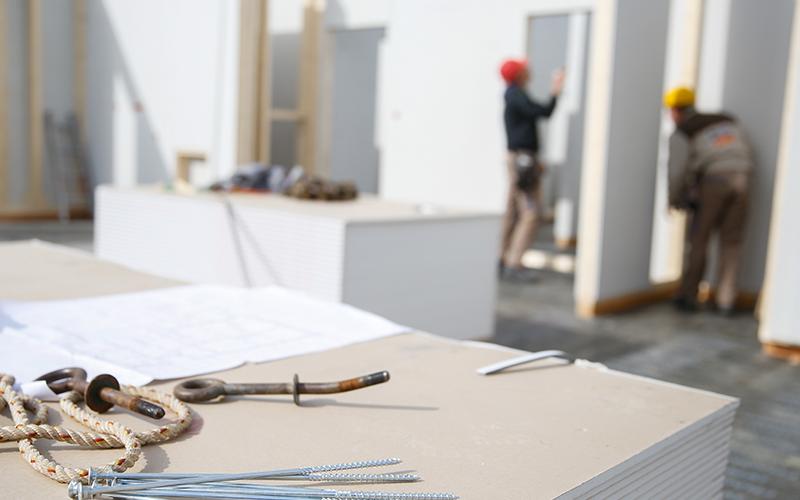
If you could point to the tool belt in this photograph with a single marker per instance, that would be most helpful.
(528, 170)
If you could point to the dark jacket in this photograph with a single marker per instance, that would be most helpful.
(521, 115)
(704, 144)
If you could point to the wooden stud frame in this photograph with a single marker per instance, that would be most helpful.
(324, 112)
(3, 104)
(264, 89)
(79, 68)
(255, 98)
(35, 130)
(313, 11)
(184, 161)
(254, 93)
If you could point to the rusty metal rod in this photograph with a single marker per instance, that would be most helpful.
(207, 389)
(101, 393)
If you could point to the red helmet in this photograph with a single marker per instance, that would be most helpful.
(512, 68)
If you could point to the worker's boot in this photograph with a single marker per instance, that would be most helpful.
(520, 275)
(684, 305)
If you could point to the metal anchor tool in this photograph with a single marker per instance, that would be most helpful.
(101, 393)
(206, 389)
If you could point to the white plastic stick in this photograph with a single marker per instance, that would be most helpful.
(525, 358)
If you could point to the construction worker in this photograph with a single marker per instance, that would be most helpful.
(523, 208)
(710, 163)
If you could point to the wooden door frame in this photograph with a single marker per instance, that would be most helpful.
(255, 111)
(35, 198)
(4, 159)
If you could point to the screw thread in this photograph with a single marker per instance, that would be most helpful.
(382, 495)
(364, 478)
(352, 465)
(96, 474)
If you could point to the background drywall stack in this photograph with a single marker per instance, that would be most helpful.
(392, 259)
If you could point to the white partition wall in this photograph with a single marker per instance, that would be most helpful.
(441, 102)
(560, 41)
(571, 111)
(353, 153)
(548, 37)
(146, 80)
(620, 152)
(781, 292)
(669, 226)
(161, 77)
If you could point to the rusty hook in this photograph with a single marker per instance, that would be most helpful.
(101, 393)
(205, 389)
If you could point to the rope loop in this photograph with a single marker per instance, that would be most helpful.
(102, 433)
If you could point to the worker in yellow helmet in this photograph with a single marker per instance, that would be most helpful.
(710, 163)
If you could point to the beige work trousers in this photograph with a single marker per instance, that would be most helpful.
(722, 208)
(523, 210)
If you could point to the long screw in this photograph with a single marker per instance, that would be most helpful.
(358, 478)
(297, 471)
(76, 489)
(248, 489)
(134, 496)
(253, 491)
(205, 389)
(101, 393)
(281, 494)
(313, 477)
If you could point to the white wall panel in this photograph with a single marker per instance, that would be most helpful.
(620, 152)
(441, 106)
(781, 292)
(176, 64)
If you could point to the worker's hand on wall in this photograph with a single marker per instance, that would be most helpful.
(557, 84)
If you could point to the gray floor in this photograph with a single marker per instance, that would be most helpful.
(76, 234)
(699, 350)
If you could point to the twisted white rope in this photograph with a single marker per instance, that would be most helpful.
(107, 433)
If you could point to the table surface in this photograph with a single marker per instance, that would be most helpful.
(365, 209)
(534, 432)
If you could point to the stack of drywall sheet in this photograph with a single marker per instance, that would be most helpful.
(431, 270)
(538, 431)
(688, 464)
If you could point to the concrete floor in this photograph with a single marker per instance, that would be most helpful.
(76, 234)
(698, 350)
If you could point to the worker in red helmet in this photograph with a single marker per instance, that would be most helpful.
(523, 209)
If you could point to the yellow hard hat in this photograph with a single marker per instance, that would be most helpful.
(679, 97)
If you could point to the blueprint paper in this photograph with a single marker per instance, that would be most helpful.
(26, 357)
(184, 331)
